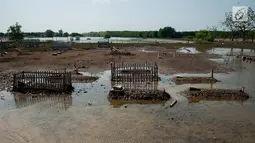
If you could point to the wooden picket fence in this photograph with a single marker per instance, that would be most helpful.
(134, 72)
(42, 80)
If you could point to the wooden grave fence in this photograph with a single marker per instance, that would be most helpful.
(42, 80)
(134, 72)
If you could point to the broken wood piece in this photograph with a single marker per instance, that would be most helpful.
(173, 103)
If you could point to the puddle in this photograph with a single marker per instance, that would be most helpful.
(7, 100)
(62, 102)
(120, 103)
(97, 91)
(220, 60)
(217, 51)
(193, 100)
(189, 50)
(18, 100)
(231, 51)
(147, 51)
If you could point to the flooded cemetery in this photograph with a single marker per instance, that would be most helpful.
(128, 94)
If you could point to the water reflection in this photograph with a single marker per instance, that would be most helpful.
(190, 50)
(62, 102)
(196, 100)
(230, 51)
(137, 85)
(217, 51)
(119, 103)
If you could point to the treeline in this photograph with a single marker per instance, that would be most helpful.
(48, 33)
(166, 32)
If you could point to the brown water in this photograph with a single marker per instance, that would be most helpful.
(71, 119)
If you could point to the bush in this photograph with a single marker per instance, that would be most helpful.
(190, 37)
(107, 35)
(204, 35)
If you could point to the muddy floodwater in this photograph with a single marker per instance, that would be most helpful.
(88, 116)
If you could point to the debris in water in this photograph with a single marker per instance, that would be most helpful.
(173, 103)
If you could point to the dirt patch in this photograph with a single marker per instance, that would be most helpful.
(139, 94)
(215, 94)
(101, 59)
(186, 80)
(98, 59)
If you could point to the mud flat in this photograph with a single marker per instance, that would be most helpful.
(185, 80)
(216, 94)
(138, 94)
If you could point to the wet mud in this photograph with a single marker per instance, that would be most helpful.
(139, 94)
(216, 94)
(185, 80)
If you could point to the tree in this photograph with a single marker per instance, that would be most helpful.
(75, 34)
(167, 32)
(60, 33)
(240, 26)
(213, 30)
(190, 37)
(107, 35)
(14, 32)
(155, 34)
(204, 35)
(1, 34)
(49, 33)
(250, 35)
(66, 34)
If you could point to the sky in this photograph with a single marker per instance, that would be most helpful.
(102, 15)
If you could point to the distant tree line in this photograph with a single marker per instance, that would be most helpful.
(166, 32)
(141, 34)
(47, 33)
(170, 34)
